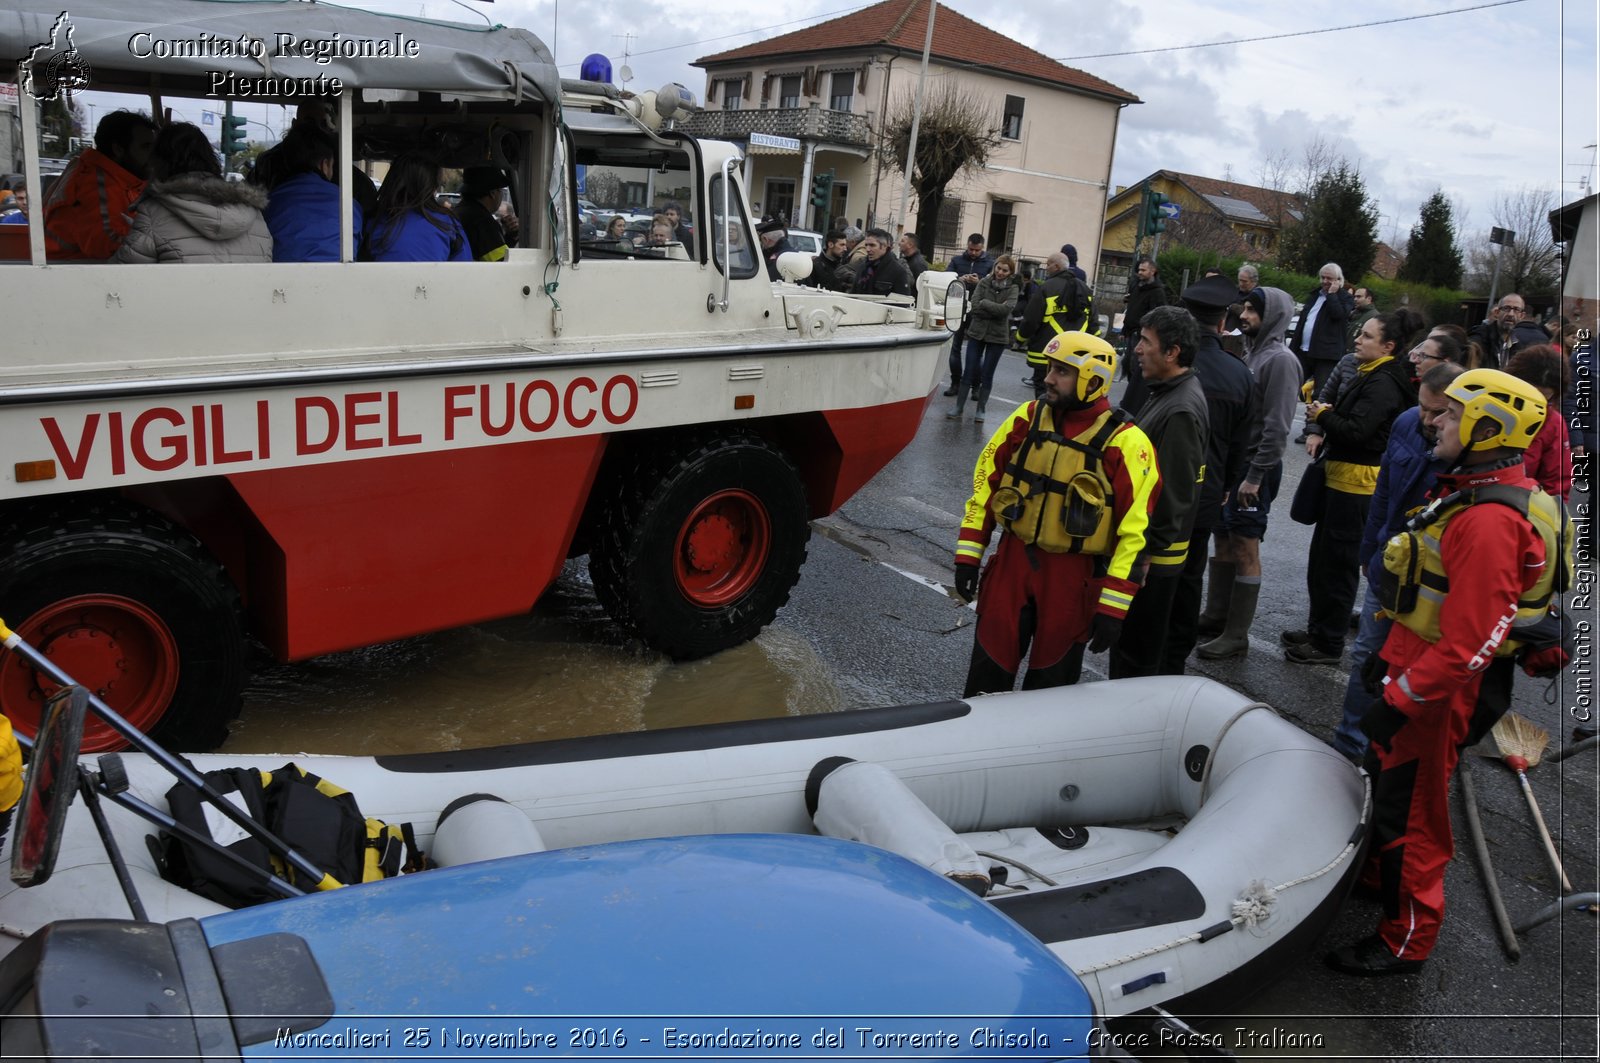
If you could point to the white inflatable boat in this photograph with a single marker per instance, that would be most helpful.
(1172, 841)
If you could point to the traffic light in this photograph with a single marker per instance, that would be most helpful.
(1154, 220)
(822, 190)
(233, 135)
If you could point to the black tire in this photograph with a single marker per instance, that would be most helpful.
(635, 562)
(110, 549)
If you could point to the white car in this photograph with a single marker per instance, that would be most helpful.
(805, 240)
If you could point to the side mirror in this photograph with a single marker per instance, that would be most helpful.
(50, 787)
(955, 306)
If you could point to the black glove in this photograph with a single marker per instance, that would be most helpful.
(1381, 722)
(1373, 669)
(967, 582)
(1104, 631)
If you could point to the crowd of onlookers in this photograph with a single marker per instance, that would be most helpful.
(1369, 385)
(148, 193)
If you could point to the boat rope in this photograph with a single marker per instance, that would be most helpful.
(1019, 865)
(1254, 905)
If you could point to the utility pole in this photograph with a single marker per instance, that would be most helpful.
(916, 120)
(1501, 238)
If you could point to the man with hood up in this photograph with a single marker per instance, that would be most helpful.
(1235, 578)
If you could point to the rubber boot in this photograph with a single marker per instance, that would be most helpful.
(983, 404)
(1235, 637)
(1219, 588)
(961, 401)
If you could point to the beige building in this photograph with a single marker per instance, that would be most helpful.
(813, 102)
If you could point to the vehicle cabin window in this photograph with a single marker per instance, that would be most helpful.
(789, 92)
(843, 92)
(1011, 122)
(740, 261)
(455, 136)
(641, 192)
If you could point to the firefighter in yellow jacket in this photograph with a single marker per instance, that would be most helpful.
(1071, 483)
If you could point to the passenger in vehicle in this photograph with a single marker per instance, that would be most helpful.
(188, 213)
(680, 231)
(410, 225)
(303, 205)
(617, 233)
(273, 166)
(87, 214)
(481, 191)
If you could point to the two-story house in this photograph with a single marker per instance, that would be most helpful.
(1227, 217)
(815, 100)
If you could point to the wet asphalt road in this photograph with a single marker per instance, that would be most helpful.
(872, 622)
(1469, 1002)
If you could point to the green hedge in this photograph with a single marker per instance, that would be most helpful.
(1440, 306)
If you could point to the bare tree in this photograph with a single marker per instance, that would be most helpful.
(1531, 263)
(1318, 159)
(957, 133)
(1206, 233)
(604, 187)
(1274, 169)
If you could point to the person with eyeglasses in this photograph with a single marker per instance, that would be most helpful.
(1356, 433)
(1405, 476)
(1435, 349)
(1507, 330)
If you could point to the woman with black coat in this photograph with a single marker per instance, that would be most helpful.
(1355, 432)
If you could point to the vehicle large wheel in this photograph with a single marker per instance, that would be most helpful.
(698, 548)
(130, 607)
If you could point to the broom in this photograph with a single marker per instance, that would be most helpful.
(1522, 743)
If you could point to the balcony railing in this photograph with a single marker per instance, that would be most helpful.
(806, 123)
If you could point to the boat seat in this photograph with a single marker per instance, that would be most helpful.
(863, 802)
(482, 827)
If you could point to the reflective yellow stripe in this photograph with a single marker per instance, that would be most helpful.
(1163, 559)
(497, 255)
(972, 550)
(1117, 598)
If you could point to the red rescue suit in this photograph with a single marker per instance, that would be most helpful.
(1036, 601)
(1493, 555)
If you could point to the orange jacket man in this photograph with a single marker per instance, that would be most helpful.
(87, 214)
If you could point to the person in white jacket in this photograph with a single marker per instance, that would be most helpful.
(189, 213)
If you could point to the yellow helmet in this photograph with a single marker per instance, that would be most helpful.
(1093, 358)
(1516, 406)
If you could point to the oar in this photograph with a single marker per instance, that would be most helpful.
(1522, 743)
(185, 774)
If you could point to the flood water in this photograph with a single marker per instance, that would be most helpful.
(561, 672)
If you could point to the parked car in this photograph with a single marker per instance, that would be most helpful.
(806, 240)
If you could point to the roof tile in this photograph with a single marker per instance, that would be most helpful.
(903, 25)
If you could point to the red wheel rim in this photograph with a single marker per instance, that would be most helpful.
(722, 548)
(116, 647)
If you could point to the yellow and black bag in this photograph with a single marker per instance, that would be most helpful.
(316, 818)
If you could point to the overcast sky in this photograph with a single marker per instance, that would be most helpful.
(1474, 102)
(1481, 98)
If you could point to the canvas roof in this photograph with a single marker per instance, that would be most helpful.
(453, 57)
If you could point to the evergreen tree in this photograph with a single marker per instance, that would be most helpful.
(1341, 225)
(1432, 255)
